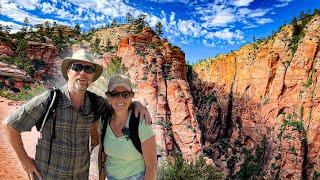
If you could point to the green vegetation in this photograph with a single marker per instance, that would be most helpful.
(95, 46)
(316, 175)
(19, 62)
(253, 163)
(291, 121)
(116, 67)
(308, 83)
(158, 29)
(108, 46)
(298, 27)
(140, 23)
(178, 169)
(25, 94)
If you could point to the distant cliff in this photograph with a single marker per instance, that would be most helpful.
(258, 108)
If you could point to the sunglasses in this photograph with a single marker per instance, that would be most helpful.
(86, 68)
(124, 94)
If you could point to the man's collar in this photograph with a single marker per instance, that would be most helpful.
(66, 101)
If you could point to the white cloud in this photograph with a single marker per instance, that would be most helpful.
(283, 3)
(189, 27)
(258, 13)
(66, 4)
(226, 35)
(242, 2)
(12, 11)
(64, 14)
(207, 43)
(264, 20)
(170, 1)
(153, 20)
(217, 16)
(29, 4)
(48, 8)
(242, 12)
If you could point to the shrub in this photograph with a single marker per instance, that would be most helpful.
(178, 169)
(26, 93)
(116, 66)
(253, 161)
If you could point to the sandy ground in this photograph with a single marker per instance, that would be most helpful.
(10, 167)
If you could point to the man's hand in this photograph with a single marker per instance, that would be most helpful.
(31, 169)
(143, 111)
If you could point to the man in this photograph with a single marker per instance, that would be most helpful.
(67, 154)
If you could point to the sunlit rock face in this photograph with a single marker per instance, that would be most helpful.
(158, 70)
(258, 108)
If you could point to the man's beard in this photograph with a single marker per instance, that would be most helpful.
(80, 87)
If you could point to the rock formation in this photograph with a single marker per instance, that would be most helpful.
(158, 70)
(258, 108)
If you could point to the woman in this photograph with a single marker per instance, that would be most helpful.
(124, 161)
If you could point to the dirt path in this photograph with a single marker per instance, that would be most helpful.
(10, 167)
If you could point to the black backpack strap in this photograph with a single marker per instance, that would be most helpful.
(134, 131)
(105, 119)
(53, 113)
(95, 108)
(51, 106)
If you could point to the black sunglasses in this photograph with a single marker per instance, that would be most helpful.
(124, 94)
(79, 67)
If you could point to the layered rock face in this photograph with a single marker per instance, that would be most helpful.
(158, 70)
(42, 51)
(17, 76)
(258, 108)
(47, 53)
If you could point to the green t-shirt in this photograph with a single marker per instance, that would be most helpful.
(123, 158)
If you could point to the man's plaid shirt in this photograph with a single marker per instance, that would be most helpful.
(70, 155)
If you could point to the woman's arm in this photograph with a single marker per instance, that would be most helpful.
(149, 151)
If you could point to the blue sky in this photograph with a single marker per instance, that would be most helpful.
(200, 28)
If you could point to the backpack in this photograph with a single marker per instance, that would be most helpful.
(55, 94)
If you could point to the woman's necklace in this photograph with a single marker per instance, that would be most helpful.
(117, 130)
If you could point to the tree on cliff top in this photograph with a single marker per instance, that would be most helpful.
(77, 29)
(140, 23)
(159, 28)
(129, 18)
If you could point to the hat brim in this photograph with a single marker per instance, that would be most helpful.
(66, 62)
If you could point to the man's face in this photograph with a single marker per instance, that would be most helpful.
(80, 75)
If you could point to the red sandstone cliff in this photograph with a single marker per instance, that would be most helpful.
(258, 108)
(158, 70)
(46, 53)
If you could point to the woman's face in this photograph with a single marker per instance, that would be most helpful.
(120, 103)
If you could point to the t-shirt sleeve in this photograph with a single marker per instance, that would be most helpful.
(145, 131)
(26, 116)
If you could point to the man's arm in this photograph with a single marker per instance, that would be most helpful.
(22, 120)
(143, 111)
(14, 137)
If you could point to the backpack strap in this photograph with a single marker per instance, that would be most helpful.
(94, 99)
(51, 106)
(134, 132)
(51, 112)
